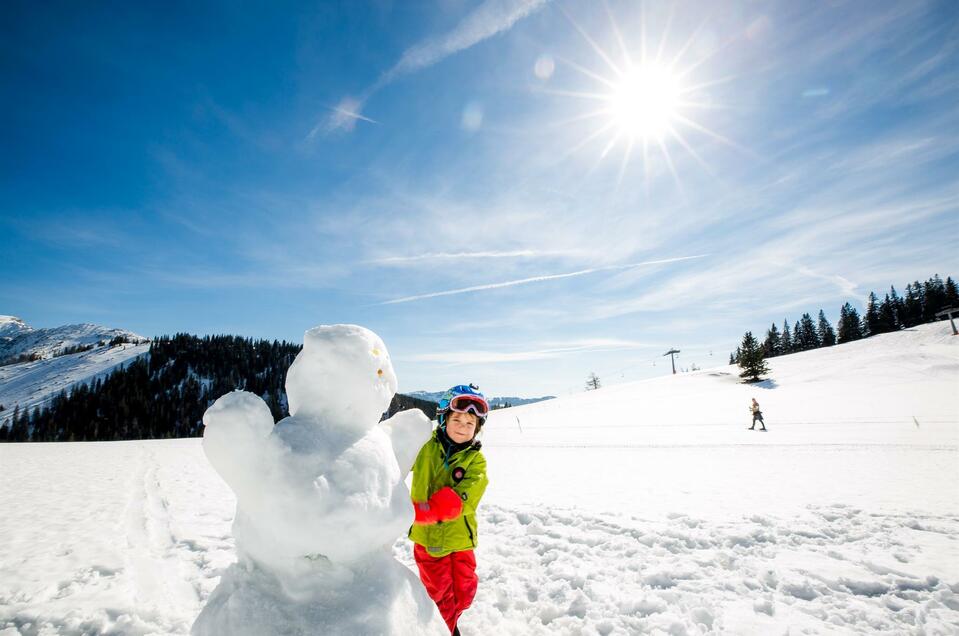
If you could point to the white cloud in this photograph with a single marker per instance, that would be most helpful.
(488, 19)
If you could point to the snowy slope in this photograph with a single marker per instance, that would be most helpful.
(639, 508)
(18, 338)
(30, 384)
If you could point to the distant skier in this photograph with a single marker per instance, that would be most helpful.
(757, 415)
(449, 478)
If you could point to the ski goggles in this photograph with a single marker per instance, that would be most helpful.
(468, 403)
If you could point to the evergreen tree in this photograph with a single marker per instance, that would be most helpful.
(871, 321)
(772, 346)
(934, 297)
(897, 305)
(732, 359)
(850, 326)
(827, 337)
(952, 294)
(911, 314)
(805, 334)
(751, 359)
(786, 342)
(887, 315)
(592, 382)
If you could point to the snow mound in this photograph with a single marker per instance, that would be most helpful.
(321, 498)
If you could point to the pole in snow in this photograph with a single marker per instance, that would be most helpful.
(671, 353)
(949, 312)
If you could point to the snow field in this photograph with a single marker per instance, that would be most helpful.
(641, 508)
(131, 537)
(834, 570)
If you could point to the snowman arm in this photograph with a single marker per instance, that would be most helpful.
(236, 429)
(408, 431)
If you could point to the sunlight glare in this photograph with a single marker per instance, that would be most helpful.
(645, 102)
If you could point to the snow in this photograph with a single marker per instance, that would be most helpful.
(17, 337)
(639, 508)
(10, 327)
(31, 384)
(35, 383)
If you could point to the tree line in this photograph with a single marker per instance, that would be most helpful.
(163, 394)
(919, 305)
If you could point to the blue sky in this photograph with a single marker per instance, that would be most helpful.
(460, 177)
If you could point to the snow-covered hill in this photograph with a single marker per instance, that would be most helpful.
(34, 383)
(640, 508)
(20, 339)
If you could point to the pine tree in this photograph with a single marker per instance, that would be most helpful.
(592, 382)
(934, 297)
(952, 294)
(897, 305)
(786, 344)
(871, 321)
(850, 327)
(827, 337)
(805, 336)
(912, 306)
(887, 315)
(772, 346)
(732, 359)
(751, 359)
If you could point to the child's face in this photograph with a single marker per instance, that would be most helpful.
(461, 427)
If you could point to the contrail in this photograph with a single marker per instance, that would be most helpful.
(488, 19)
(536, 279)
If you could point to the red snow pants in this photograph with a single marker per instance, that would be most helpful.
(449, 580)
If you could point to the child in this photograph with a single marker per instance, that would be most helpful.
(449, 478)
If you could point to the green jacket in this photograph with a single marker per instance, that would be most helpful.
(432, 471)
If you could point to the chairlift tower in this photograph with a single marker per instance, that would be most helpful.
(671, 353)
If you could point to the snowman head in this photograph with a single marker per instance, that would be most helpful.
(343, 377)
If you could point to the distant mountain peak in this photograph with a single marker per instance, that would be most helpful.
(11, 327)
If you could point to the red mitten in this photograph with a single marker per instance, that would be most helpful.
(424, 514)
(446, 504)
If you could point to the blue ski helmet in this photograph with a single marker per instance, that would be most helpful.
(463, 398)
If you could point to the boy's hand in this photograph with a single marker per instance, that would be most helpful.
(446, 504)
(424, 515)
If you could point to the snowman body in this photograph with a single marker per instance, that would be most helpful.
(321, 498)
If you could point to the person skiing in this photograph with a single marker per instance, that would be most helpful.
(449, 478)
(757, 415)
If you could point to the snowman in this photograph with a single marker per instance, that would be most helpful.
(321, 498)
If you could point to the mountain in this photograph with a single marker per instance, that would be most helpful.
(10, 327)
(144, 390)
(19, 342)
(36, 364)
(494, 403)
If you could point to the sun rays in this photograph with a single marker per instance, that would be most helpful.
(646, 102)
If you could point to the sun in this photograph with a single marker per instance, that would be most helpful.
(649, 101)
(645, 102)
